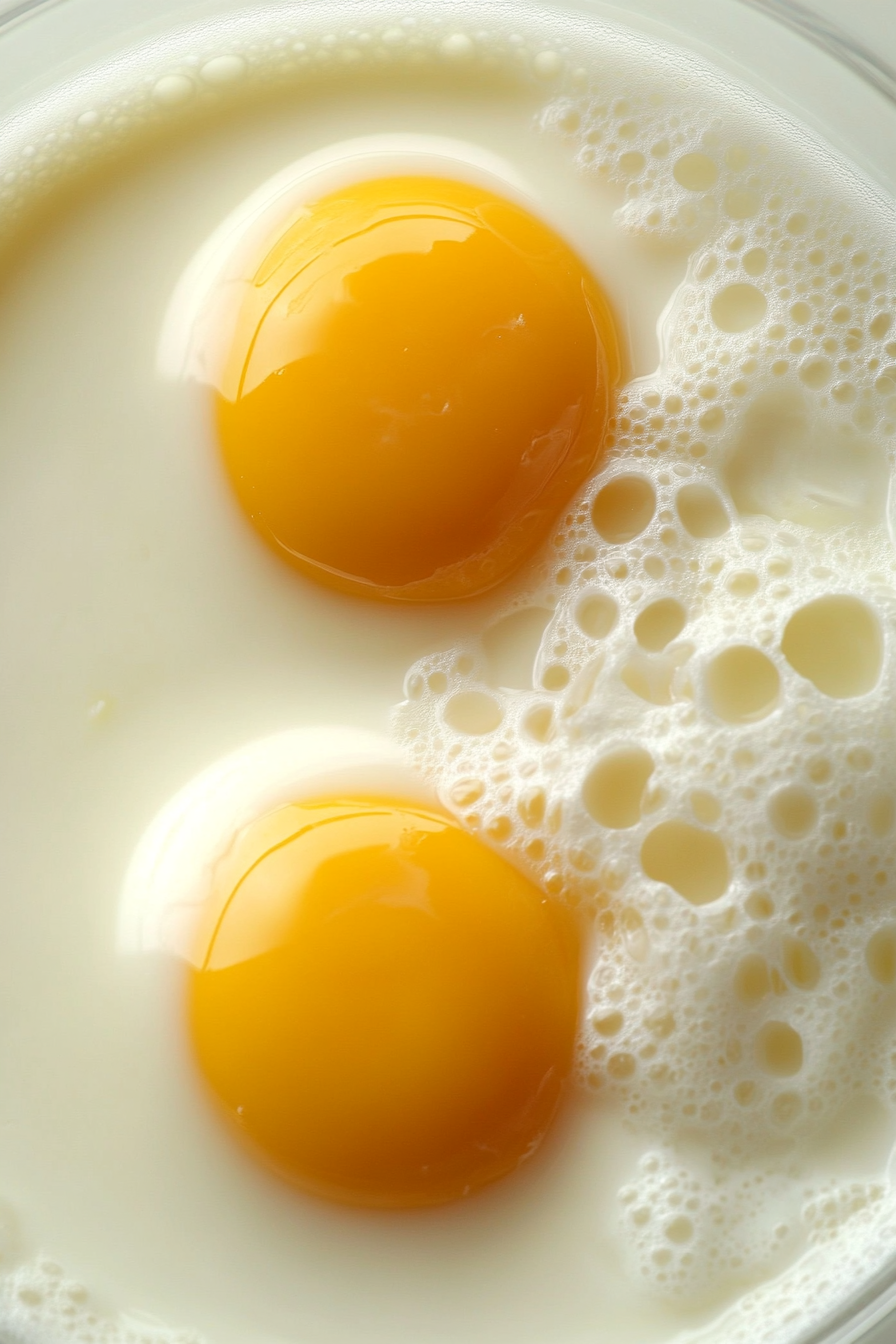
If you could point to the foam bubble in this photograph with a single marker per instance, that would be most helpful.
(699, 753)
(689, 1233)
(39, 1303)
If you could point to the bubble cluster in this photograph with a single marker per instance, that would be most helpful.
(851, 1229)
(825, 1211)
(200, 70)
(680, 721)
(39, 1303)
(692, 1234)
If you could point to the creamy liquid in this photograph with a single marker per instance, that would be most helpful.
(149, 634)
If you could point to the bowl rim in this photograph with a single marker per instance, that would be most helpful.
(856, 1318)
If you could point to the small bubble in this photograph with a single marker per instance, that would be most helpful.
(755, 261)
(701, 511)
(531, 806)
(458, 46)
(743, 584)
(881, 813)
(596, 615)
(712, 419)
(745, 1092)
(473, 712)
(555, 677)
(172, 90)
(779, 1049)
(880, 955)
(609, 1025)
(499, 829)
(688, 859)
(786, 1107)
(792, 811)
(695, 172)
(613, 789)
(835, 642)
(801, 966)
(547, 64)
(816, 372)
(759, 906)
(223, 70)
(659, 624)
(752, 981)
(742, 684)
(631, 164)
(738, 308)
(819, 770)
(538, 723)
(623, 508)
(621, 1066)
(680, 1230)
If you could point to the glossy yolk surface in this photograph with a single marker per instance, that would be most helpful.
(420, 379)
(385, 1008)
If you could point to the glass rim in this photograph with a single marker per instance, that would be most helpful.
(833, 39)
(829, 37)
(875, 1303)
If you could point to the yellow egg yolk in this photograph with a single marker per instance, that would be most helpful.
(385, 1008)
(420, 379)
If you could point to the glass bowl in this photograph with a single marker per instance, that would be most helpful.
(816, 70)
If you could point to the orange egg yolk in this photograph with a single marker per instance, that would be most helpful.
(420, 379)
(385, 1008)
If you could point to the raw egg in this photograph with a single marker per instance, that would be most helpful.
(417, 376)
(420, 381)
(384, 1007)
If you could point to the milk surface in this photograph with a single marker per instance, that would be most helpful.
(677, 718)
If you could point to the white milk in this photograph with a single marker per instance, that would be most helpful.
(687, 702)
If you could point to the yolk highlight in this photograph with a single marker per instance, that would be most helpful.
(420, 379)
(385, 1007)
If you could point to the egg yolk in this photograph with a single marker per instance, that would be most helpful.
(385, 1008)
(420, 379)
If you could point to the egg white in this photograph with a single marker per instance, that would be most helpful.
(150, 633)
(199, 323)
(170, 875)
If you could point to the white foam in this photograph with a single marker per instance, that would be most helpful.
(40, 1303)
(699, 761)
